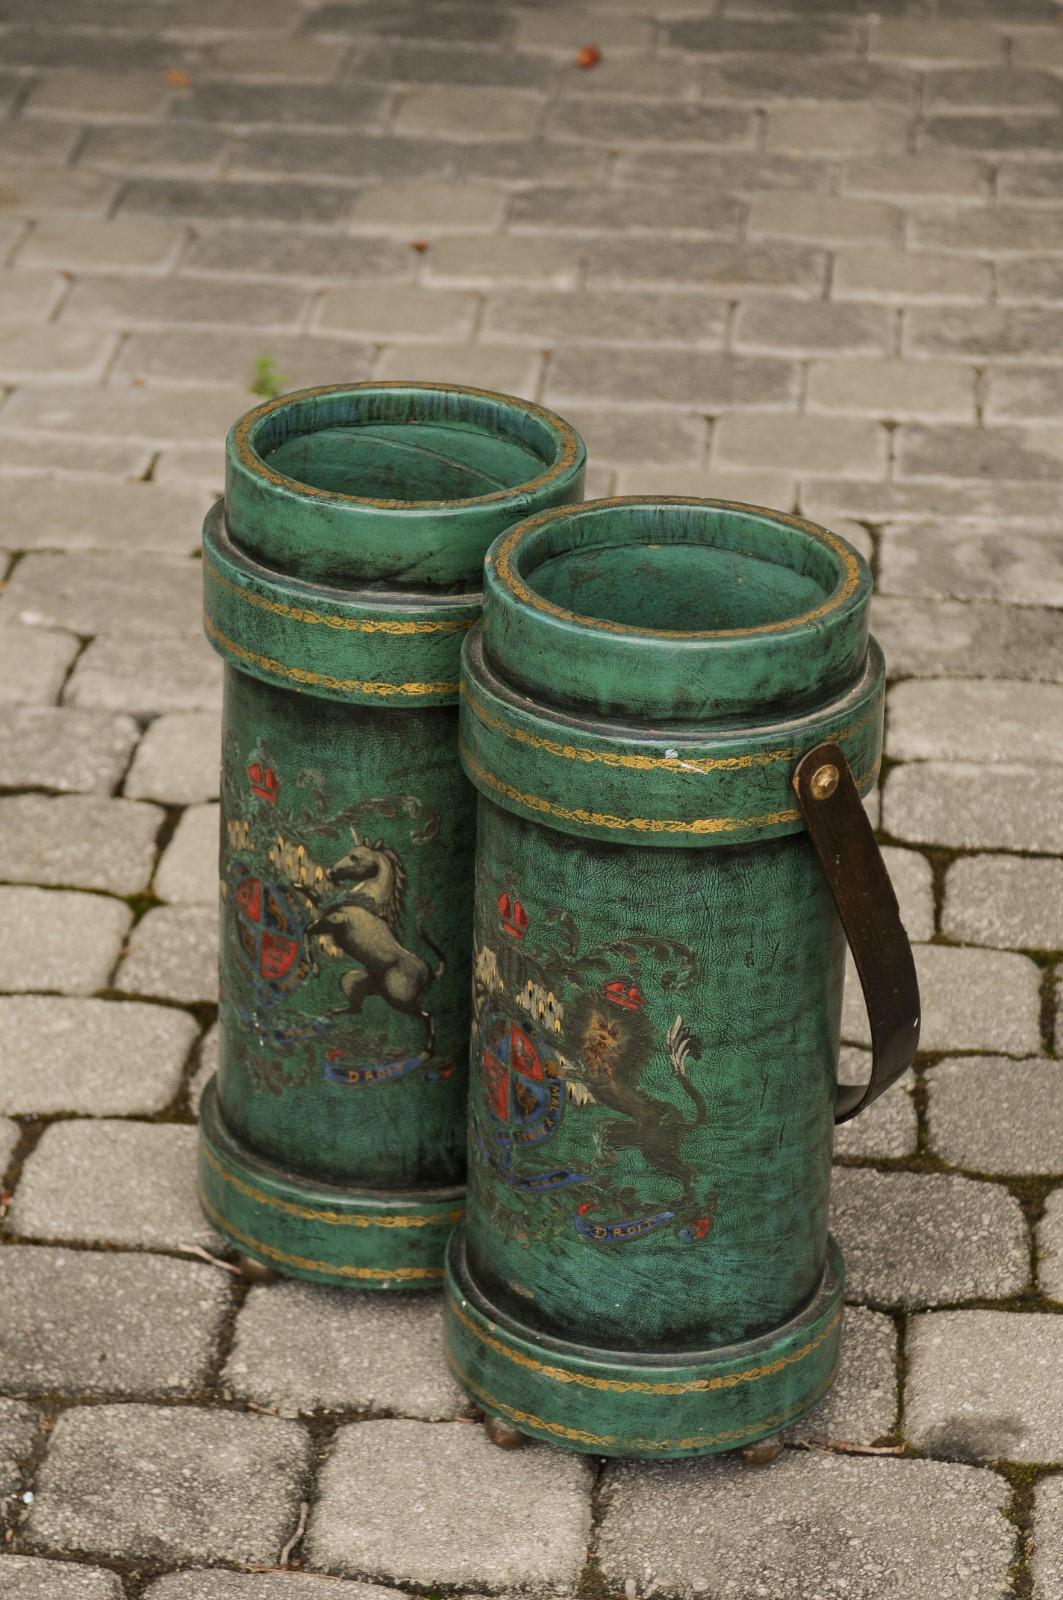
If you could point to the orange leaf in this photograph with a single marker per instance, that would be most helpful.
(420, 245)
(178, 78)
(588, 57)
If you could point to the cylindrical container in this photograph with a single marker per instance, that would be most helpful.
(341, 574)
(645, 1267)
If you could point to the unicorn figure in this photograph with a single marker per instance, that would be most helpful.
(363, 924)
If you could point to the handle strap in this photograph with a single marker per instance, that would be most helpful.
(844, 841)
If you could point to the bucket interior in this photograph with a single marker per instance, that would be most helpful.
(409, 448)
(678, 568)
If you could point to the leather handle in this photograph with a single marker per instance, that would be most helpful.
(844, 841)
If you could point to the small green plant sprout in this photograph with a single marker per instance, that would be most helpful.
(266, 380)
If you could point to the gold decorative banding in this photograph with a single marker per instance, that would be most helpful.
(324, 680)
(586, 1380)
(603, 819)
(698, 1441)
(637, 763)
(339, 1219)
(503, 565)
(306, 1263)
(569, 447)
(326, 619)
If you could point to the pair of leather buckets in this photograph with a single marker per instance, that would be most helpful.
(580, 782)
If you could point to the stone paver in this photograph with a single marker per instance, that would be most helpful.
(149, 1198)
(456, 1478)
(1048, 1545)
(972, 1000)
(862, 1405)
(888, 1128)
(170, 1484)
(91, 1056)
(1006, 807)
(34, 1578)
(173, 952)
(1050, 1246)
(177, 761)
(43, 513)
(120, 672)
(953, 720)
(925, 1239)
(63, 941)
(78, 840)
(18, 1428)
(188, 871)
(33, 664)
(72, 752)
(993, 1115)
(10, 1133)
(813, 1526)
(97, 591)
(305, 1348)
(1005, 901)
(87, 1322)
(986, 1384)
(207, 1584)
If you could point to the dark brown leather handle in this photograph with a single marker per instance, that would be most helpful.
(844, 841)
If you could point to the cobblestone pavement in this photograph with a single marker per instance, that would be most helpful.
(782, 250)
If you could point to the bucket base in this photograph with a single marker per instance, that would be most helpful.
(354, 1238)
(625, 1403)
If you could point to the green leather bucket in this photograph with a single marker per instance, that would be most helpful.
(671, 710)
(341, 573)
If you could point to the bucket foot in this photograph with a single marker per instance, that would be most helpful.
(503, 1434)
(762, 1452)
(254, 1271)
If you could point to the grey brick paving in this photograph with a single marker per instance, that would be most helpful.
(305, 1348)
(1050, 1245)
(38, 1579)
(188, 871)
(90, 1056)
(33, 664)
(177, 760)
(802, 252)
(88, 1322)
(60, 941)
(210, 1584)
(85, 840)
(997, 1116)
(70, 751)
(983, 1384)
(149, 1197)
(18, 1428)
(1005, 901)
(916, 1240)
(144, 676)
(1048, 1548)
(815, 1525)
(10, 1133)
(173, 952)
(170, 1484)
(456, 1478)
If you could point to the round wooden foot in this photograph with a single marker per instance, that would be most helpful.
(502, 1434)
(253, 1271)
(763, 1452)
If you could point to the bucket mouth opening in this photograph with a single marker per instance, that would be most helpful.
(412, 446)
(677, 569)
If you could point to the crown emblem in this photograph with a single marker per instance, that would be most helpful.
(514, 917)
(624, 994)
(264, 782)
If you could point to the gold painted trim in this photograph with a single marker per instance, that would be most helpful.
(585, 1380)
(322, 679)
(516, 585)
(698, 1441)
(603, 819)
(306, 1263)
(567, 440)
(333, 1218)
(613, 758)
(325, 619)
